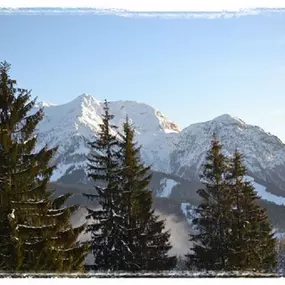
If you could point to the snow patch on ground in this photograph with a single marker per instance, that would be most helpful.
(166, 186)
(62, 169)
(279, 235)
(264, 194)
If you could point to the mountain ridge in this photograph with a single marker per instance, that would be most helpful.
(164, 145)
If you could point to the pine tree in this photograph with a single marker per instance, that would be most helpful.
(148, 242)
(253, 244)
(211, 244)
(32, 226)
(107, 236)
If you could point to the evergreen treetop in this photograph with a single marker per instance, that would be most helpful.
(147, 238)
(211, 244)
(250, 224)
(107, 238)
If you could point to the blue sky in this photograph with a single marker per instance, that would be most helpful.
(191, 69)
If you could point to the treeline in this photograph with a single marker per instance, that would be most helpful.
(232, 231)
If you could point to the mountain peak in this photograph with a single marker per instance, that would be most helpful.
(85, 100)
(228, 119)
(85, 96)
(223, 117)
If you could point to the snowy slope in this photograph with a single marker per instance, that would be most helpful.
(153, 131)
(264, 153)
(188, 209)
(70, 126)
(264, 194)
(166, 186)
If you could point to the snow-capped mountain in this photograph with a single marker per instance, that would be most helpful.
(164, 146)
(70, 126)
(264, 153)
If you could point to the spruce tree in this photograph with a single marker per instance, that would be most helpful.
(211, 243)
(35, 234)
(253, 244)
(148, 242)
(233, 231)
(107, 236)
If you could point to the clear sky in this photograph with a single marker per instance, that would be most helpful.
(191, 69)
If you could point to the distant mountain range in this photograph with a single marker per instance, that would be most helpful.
(176, 155)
